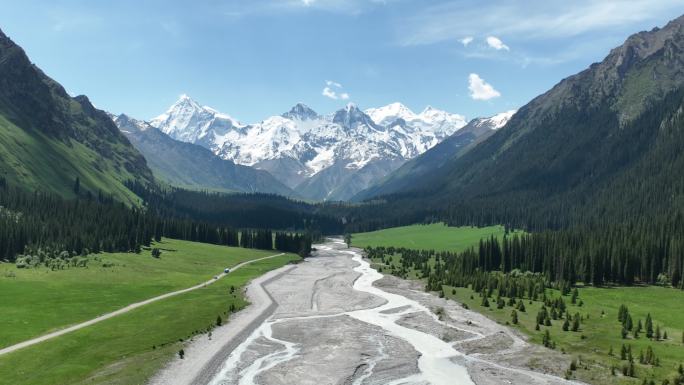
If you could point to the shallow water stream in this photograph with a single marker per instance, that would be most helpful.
(439, 362)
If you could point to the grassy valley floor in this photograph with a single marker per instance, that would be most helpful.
(600, 329)
(436, 236)
(129, 348)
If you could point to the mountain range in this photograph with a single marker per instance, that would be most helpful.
(52, 141)
(192, 166)
(320, 157)
(615, 126)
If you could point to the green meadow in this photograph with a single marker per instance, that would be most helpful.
(435, 236)
(36, 301)
(600, 330)
(129, 348)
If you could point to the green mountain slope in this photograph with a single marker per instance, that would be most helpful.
(48, 139)
(192, 166)
(602, 142)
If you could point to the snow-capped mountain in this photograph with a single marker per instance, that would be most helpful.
(190, 165)
(190, 122)
(320, 156)
(439, 122)
(493, 122)
(452, 147)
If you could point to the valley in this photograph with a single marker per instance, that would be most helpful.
(338, 315)
(348, 240)
(435, 236)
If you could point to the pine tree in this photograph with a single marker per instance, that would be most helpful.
(546, 338)
(521, 308)
(649, 326)
(576, 323)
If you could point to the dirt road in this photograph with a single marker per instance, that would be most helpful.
(124, 310)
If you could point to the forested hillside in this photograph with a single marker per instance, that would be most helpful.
(259, 211)
(42, 227)
(596, 161)
(601, 145)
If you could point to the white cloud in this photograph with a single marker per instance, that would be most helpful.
(480, 89)
(329, 91)
(532, 19)
(466, 40)
(496, 43)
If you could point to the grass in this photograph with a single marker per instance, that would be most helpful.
(600, 329)
(130, 348)
(37, 162)
(36, 301)
(435, 236)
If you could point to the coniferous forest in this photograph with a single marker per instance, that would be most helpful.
(32, 221)
(622, 223)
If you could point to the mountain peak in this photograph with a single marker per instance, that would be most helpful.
(493, 122)
(185, 100)
(352, 117)
(301, 111)
(391, 113)
(351, 106)
(129, 124)
(188, 121)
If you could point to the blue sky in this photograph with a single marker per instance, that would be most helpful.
(257, 58)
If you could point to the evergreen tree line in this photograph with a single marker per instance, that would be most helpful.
(46, 227)
(257, 239)
(45, 220)
(294, 243)
(563, 257)
(253, 211)
(593, 257)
